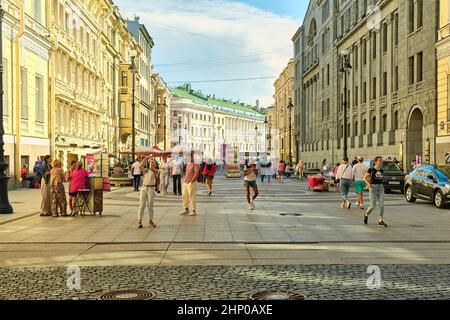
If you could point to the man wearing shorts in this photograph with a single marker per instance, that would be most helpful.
(359, 171)
(250, 173)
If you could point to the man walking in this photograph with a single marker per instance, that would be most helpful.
(136, 172)
(190, 187)
(359, 171)
(176, 176)
(250, 173)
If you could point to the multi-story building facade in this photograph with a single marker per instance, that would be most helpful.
(207, 124)
(284, 115)
(443, 83)
(145, 112)
(161, 101)
(391, 85)
(26, 57)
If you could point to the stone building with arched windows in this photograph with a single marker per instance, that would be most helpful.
(391, 94)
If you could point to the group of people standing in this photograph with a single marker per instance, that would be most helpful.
(156, 179)
(53, 193)
(363, 177)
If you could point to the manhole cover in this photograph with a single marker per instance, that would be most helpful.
(127, 295)
(290, 214)
(277, 295)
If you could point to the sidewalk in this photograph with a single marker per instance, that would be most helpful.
(26, 202)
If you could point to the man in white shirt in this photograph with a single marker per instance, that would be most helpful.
(345, 175)
(136, 172)
(176, 175)
(359, 171)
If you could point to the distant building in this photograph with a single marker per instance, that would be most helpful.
(207, 124)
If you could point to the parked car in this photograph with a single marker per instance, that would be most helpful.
(393, 175)
(429, 182)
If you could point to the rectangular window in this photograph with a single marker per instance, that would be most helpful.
(356, 57)
(385, 84)
(411, 16)
(364, 51)
(374, 45)
(37, 12)
(384, 124)
(124, 79)
(396, 29)
(23, 94)
(356, 101)
(374, 88)
(419, 14)
(385, 38)
(39, 98)
(123, 109)
(328, 74)
(419, 66)
(411, 70)
(395, 87)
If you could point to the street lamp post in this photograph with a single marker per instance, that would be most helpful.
(133, 70)
(290, 107)
(5, 206)
(179, 128)
(345, 67)
(165, 122)
(256, 139)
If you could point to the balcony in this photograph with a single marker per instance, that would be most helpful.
(392, 137)
(372, 105)
(383, 101)
(380, 139)
(394, 96)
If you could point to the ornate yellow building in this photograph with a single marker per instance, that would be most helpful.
(26, 60)
(284, 87)
(161, 103)
(443, 78)
(90, 41)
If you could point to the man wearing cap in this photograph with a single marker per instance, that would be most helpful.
(359, 171)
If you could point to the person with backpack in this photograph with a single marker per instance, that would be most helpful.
(208, 172)
(344, 175)
(44, 177)
(374, 181)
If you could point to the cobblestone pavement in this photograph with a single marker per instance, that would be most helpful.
(201, 282)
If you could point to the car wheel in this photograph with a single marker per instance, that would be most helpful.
(409, 194)
(439, 199)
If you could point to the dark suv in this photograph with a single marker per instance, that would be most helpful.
(393, 175)
(429, 182)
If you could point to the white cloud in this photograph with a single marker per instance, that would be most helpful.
(217, 29)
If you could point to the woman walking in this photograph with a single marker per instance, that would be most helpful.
(72, 168)
(250, 173)
(165, 174)
(281, 170)
(374, 181)
(208, 172)
(147, 195)
(78, 182)
(345, 174)
(58, 194)
(44, 174)
(300, 168)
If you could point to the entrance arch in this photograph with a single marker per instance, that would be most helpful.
(414, 137)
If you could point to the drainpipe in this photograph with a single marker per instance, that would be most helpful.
(51, 95)
(18, 99)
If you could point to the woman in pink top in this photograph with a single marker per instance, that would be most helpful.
(78, 182)
(281, 170)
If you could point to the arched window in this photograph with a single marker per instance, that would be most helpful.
(312, 30)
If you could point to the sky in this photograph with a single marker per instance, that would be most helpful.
(200, 41)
